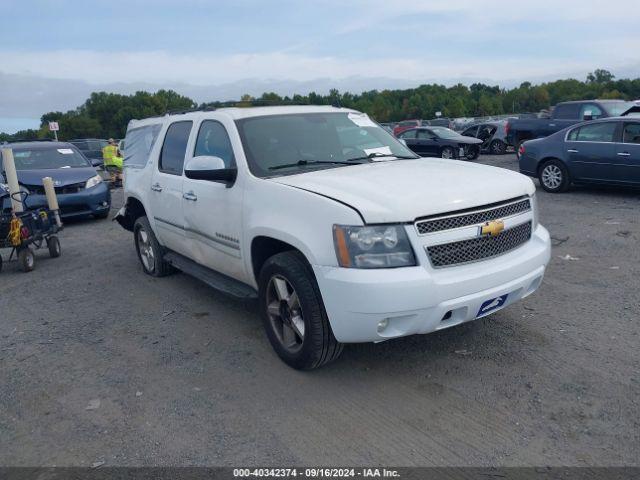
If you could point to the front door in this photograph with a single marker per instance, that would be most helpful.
(629, 152)
(165, 197)
(212, 210)
(428, 143)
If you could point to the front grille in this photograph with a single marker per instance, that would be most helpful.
(472, 218)
(73, 188)
(480, 248)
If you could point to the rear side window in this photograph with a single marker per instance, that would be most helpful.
(595, 132)
(409, 134)
(631, 133)
(175, 148)
(590, 109)
(139, 143)
(567, 112)
(213, 140)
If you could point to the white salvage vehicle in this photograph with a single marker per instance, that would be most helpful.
(342, 233)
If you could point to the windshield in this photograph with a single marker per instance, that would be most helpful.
(618, 108)
(48, 158)
(444, 132)
(294, 143)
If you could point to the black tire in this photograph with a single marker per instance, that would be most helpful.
(498, 147)
(447, 152)
(317, 346)
(53, 244)
(472, 153)
(554, 176)
(27, 259)
(150, 252)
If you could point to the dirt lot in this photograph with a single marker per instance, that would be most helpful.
(101, 363)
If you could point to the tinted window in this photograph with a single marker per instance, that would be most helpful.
(597, 132)
(631, 133)
(425, 134)
(569, 111)
(591, 109)
(409, 134)
(174, 148)
(214, 141)
(470, 132)
(139, 142)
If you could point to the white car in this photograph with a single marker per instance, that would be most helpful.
(341, 232)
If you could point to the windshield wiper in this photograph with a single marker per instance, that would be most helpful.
(301, 163)
(379, 155)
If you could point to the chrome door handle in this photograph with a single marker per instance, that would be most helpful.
(572, 150)
(624, 154)
(190, 196)
(156, 187)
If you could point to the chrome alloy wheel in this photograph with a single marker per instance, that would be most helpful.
(147, 256)
(285, 313)
(552, 177)
(447, 153)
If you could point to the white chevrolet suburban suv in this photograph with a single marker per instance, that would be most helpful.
(340, 231)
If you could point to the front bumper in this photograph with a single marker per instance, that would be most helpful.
(422, 299)
(95, 200)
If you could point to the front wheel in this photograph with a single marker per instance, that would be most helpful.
(53, 244)
(293, 313)
(554, 176)
(27, 259)
(472, 152)
(498, 147)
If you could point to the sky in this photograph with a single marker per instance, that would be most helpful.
(54, 53)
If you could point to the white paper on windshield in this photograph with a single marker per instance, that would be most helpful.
(361, 119)
(65, 151)
(381, 150)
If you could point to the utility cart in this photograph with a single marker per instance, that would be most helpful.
(24, 232)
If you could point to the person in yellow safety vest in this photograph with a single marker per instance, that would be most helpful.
(112, 160)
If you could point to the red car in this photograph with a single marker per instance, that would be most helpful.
(406, 125)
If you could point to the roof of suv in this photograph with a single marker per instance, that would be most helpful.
(237, 113)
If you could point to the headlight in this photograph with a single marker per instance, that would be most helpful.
(534, 209)
(384, 246)
(93, 181)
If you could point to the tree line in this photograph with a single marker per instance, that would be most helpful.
(106, 115)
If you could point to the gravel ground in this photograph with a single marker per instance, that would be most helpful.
(101, 363)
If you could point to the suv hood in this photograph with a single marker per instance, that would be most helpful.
(403, 190)
(61, 176)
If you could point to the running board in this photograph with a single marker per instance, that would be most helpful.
(212, 278)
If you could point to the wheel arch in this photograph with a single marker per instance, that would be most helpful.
(264, 247)
(546, 159)
(133, 209)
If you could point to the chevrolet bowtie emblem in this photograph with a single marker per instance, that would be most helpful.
(493, 228)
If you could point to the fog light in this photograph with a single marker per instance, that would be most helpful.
(104, 204)
(382, 324)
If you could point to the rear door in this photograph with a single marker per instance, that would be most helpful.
(628, 152)
(411, 139)
(591, 152)
(428, 143)
(165, 197)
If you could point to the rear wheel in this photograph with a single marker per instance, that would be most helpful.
(27, 259)
(447, 152)
(293, 313)
(554, 176)
(498, 147)
(150, 252)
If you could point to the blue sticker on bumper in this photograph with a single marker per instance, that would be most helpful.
(491, 305)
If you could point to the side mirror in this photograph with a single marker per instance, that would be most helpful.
(209, 168)
(587, 115)
(96, 162)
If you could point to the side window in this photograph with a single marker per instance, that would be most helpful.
(139, 143)
(174, 148)
(597, 132)
(569, 111)
(213, 140)
(573, 135)
(470, 132)
(425, 134)
(631, 133)
(408, 135)
(591, 109)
